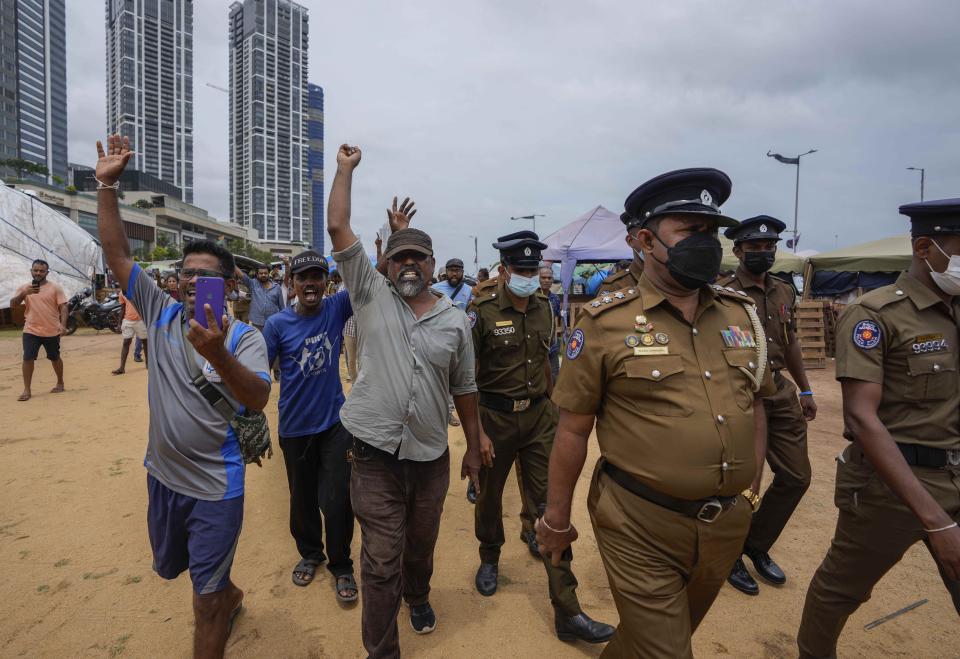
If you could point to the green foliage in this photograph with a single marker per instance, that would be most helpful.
(142, 203)
(237, 247)
(57, 179)
(20, 166)
(71, 189)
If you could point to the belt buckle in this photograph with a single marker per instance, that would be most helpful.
(521, 405)
(710, 511)
(953, 457)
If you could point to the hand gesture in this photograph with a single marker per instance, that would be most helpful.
(946, 549)
(400, 218)
(348, 157)
(29, 289)
(208, 341)
(809, 408)
(110, 164)
(553, 540)
(379, 241)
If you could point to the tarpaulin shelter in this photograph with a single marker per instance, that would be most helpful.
(31, 230)
(868, 265)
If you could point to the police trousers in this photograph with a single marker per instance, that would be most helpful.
(664, 568)
(874, 530)
(527, 436)
(788, 460)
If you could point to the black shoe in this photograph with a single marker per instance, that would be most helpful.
(741, 580)
(487, 579)
(530, 537)
(137, 359)
(422, 618)
(471, 493)
(581, 627)
(766, 568)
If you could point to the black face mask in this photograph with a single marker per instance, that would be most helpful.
(758, 262)
(695, 260)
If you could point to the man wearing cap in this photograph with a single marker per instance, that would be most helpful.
(672, 371)
(305, 340)
(629, 276)
(416, 350)
(755, 245)
(459, 293)
(898, 481)
(512, 332)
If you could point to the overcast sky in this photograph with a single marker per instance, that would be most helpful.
(483, 110)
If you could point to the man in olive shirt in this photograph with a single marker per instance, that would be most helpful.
(899, 480)
(628, 276)
(512, 330)
(671, 371)
(755, 245)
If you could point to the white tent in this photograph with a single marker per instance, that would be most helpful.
(30, 230)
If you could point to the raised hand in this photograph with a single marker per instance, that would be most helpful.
(348, 157)
(111, 164)
(399, 218)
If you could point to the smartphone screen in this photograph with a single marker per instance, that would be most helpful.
(209, 291)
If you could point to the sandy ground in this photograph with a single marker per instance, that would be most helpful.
(76, 577)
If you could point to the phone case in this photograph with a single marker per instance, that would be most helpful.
(210, 291)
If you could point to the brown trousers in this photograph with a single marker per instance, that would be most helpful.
(665, 569)
(398, 504)
(874, 529)
(788, 460)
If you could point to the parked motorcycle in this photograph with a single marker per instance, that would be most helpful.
(84, 310)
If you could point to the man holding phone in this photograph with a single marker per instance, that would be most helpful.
(194, 464)
(45, 320)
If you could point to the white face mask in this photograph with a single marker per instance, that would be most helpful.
(949, 280)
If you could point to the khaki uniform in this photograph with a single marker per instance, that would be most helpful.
(674, 412)
(624, 279)
(786, 427)
(903, 337)
(484, 287)
(512, 351)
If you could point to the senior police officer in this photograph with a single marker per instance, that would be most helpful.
(512, 331)
(671, 370)
(899, 480)
(755, 245)
(628, 277)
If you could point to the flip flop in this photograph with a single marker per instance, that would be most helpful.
(118, 372)
(349, 583)
(57, 390)
(24, 397)
(307, 566)
(233, 618)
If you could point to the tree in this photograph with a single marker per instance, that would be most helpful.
(237, 247)
(142, 203)
(20, 166)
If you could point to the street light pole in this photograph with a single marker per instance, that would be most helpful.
(923, 172)
(530, 217)
(786, 160)
(476, 261)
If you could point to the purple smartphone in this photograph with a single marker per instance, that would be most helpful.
(209, 291)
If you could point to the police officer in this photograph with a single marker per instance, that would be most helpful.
(671, 371)
(755, 245)
(627, 277)
(899, 480)
(512, 332)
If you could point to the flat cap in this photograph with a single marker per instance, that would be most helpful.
(414, 240)
(760, 227)
(697, 191)
(308, 259)
(933, 218)
(521, 249)
(454, 263)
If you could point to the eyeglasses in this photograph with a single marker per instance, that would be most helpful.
(186, 274)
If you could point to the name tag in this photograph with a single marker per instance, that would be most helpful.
(651, 350)
(504, 323)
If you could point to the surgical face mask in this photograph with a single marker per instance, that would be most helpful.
(523, 286)
(758, 262)
(949, 280)
(695, 260)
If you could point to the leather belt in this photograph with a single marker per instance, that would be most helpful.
(921, 456)
(507, 404)
(704, 510)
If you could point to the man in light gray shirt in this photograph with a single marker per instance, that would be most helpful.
(417, 349)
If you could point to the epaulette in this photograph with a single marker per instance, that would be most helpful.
(878, 298)
(609, 300)
(725, 281)
(726, 291)
(608, 286)
(484, 297)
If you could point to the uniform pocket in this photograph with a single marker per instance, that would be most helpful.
(662, 384)
(740, 385)
(852, 480)
(932, 376)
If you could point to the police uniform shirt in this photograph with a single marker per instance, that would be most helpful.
(676, 411)
(776, 304)
(511, 346)
(623, 279)
(903, 337)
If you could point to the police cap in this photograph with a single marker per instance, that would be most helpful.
(696, 191)
(521, 249)
(933, 218)
(761, 227)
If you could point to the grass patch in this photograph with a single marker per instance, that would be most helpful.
(8, 333)
(62, 562)
(42, 588)
(119, 645)
(24, 553)
(99, 575)
(130, 580)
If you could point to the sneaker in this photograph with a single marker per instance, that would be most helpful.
(422, 618)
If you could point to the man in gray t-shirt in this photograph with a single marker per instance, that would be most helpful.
(266, 295)
(195, 470)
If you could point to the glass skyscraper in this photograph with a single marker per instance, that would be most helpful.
(315, 164)
(150, 85)
(33, 85)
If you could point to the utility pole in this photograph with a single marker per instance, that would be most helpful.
(476, 262)
(786, 160)
(923, 172)
(530, 217)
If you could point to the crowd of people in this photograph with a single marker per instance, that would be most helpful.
(679, 374)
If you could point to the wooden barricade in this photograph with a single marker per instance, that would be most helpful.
(811, 333)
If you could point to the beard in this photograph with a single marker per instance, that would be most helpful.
(409, 287)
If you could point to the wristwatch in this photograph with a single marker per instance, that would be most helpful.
(752, 497)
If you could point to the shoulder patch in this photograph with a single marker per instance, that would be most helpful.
(867, 335)
(575, 344)
(609, 300)
(472, 315)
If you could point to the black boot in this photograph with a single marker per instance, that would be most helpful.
(766, 568)
(741, 580)
(581, 627)
(530, 537)
(487, 579)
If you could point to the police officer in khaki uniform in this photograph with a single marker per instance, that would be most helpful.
(671, 370)
(512, 333)
(629, 277)
(755, 245)
(899, 480)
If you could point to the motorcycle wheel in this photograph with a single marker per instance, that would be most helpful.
(71, 325)
(115, 319)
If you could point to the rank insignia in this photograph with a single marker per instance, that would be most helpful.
(607, 299)
(632, 341)
(662, 338)
(594, 304)
(866, 335)
(647, 339)
(619, 295)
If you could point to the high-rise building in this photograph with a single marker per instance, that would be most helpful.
(33, 85)
(269, 189)
(150, 85)
(315, 165)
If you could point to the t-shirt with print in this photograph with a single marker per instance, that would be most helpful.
(191, 448)
(129, 311)
(42, 315)
(309, 351)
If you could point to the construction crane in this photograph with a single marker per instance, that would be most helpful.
(218, 88)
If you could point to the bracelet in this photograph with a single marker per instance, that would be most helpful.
(943, 528)
(806, 393)
(566, 530)
(103, 186)
(752, 498)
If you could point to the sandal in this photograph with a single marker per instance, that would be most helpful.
(347, 583)
(24, 397)
(307, 567)
(233, 618)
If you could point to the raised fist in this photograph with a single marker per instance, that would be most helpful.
(348, 156)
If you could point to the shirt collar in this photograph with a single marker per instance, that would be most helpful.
(652, 297)
(922, 296)
(504, 300)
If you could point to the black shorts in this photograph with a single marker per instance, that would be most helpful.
(32, 343)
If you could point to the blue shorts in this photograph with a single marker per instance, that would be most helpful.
(188, 533)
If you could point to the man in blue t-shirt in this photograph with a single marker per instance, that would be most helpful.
(306, 340)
